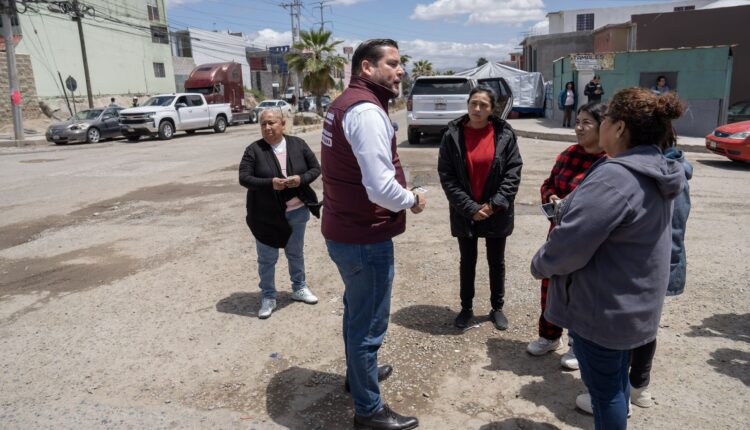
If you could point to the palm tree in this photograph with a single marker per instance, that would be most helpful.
(315, 58)
(405, 80)
(422, 68)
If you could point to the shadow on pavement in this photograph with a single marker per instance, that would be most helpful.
(726, 164)
(732, 362)
(730, 326)
(556, 391)
(299, 398)
(518, 424)
(248, 304)
(430, 319)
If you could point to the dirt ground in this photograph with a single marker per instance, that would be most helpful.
(129, 298)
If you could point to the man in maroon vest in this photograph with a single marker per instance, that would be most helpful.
(365, 203)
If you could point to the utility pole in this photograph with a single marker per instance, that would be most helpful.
(8, 9)
(322, 5)
(294, 12)
(77, 17)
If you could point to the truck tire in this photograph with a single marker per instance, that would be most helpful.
(93, 135)
(414, 136)
(166, 130)
(253, 117)
(220, 125)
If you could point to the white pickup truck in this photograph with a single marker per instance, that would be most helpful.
(165, 114)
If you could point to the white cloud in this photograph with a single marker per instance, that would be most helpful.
(269, 37)
(541, 27)
(481, 11)
(452, 55)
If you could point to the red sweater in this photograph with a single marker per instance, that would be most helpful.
(480, 151)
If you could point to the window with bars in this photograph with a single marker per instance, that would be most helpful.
(584, 22)
(683, 8)
(153, 9)
(159, 70)
(159, 34)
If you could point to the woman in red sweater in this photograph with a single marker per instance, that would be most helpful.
(480, 170)
(569, 170)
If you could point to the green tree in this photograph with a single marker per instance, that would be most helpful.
(481, 60)
(422, 68)
(406, 79)
(449, 72)
(315, 58)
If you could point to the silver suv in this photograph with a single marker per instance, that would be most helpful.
(434, 101)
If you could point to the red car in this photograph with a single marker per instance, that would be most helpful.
(731, 141)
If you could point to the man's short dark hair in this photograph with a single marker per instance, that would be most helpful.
(370, 50)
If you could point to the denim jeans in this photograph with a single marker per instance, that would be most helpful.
(294, 250)
(367, 271)
(605, 373)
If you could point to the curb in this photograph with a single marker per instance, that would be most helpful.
(568, 138)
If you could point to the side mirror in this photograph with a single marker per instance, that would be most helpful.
(180, 105)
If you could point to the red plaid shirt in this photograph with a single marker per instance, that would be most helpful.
(569, 170)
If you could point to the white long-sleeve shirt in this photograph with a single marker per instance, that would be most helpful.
(370, 132)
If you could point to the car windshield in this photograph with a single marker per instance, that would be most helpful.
(159, 101)
(267, 104)
(441, 86)
(206, 90)
(87, 114)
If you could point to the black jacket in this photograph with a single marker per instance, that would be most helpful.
(589, 91)
(500, 189)
(266, 207)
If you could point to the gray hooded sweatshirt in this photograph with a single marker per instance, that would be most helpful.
(608, 258)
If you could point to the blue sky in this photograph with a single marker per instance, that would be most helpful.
(451, 34)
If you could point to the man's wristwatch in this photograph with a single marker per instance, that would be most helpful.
(416, 200)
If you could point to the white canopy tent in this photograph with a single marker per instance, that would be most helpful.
(527, 87)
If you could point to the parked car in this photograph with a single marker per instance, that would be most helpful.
(165, 114)
(435, 101)
(731, 141)
(309, 105)
(739, 111)
(286, 108)
(88, 126)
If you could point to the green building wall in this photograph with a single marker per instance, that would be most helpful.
(703, 80)
(121, 55)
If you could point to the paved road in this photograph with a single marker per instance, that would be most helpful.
(128, 297)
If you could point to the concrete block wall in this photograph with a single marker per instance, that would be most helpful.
(28, 89)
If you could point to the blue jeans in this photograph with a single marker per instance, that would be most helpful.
(367, 272)
(605, 373)
(294, 250)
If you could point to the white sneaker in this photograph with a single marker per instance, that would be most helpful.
(583, 401)
(305, 295)
(266, 308)
(641, 397)
(542, 346)
(569, 360)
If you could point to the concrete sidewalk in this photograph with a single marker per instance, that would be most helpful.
(548, 129)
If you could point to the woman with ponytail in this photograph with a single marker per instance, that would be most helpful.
(608, 259)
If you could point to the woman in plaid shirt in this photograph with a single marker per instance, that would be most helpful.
(569, 170)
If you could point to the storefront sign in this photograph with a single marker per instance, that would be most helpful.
(592, 61)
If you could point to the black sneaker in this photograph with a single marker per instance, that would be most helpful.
(385, 419)
(498, 318)
(464, 318)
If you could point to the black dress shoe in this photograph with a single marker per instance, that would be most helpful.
(385, 419)
(384, 372)
(498, 318)
(463, 318)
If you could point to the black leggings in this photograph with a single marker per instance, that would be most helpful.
(568, 115)
(495, 260)
(641, 359)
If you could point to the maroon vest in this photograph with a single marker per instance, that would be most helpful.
(348, 215)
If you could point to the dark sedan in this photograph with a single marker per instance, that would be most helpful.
(88, 126)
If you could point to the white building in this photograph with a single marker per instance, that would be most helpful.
(566, 21)
(213, 47)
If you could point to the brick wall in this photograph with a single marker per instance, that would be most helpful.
(28, 89)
